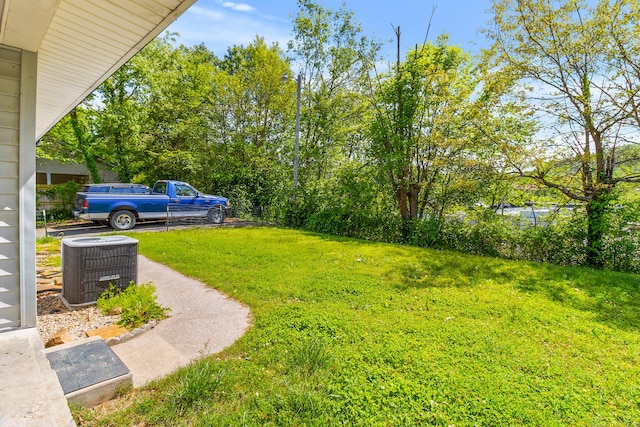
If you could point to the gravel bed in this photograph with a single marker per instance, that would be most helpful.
(54, 316)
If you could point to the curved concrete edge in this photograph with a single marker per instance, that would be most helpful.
(202, 321)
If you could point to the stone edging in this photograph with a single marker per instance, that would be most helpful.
(130, 335)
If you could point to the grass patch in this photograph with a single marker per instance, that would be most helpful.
(348, 332)
(44, 241)
(50, 246)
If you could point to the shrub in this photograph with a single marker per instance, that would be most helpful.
(137, 302)
(479, 232)
(621, 245)
(327, 221)
(560, 242)
(621, 253)
(373, 226)
(59, 214)
(63, 197)
(558, 239)
(240, 202)
(425, 232)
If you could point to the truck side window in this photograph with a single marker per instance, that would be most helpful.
(184, 190)
(160, 188)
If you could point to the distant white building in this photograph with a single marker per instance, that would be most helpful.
(50, 172)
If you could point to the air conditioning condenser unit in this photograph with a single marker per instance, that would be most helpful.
(91, 264)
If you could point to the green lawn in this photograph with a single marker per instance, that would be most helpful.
(348, 332)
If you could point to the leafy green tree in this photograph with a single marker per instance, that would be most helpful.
(182, 113)
(119, 119)
(253, 77)
(577, 68)
(73, 138)
(177, 131)
(109, 124)
(424, 134)
(333, 59)
(249, 121)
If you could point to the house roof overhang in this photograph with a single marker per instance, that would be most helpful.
(80, 43)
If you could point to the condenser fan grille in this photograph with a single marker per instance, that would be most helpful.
(91, 265)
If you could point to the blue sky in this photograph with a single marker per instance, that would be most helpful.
(220, 24)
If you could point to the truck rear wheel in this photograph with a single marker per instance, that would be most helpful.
(216, 214)
(123, 220)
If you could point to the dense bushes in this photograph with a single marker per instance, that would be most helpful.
(356, 224)
(558, 240)
(621, 246)
(57, 200)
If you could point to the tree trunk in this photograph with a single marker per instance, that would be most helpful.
(413, 201)
(401, 196)
(596, 209)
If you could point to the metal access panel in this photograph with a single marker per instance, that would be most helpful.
(91, 264)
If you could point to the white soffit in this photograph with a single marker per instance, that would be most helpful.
(80, 43)
(25, 23)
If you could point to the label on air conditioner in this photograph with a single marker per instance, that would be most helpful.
(112, 277)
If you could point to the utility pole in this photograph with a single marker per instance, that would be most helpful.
(296, 146)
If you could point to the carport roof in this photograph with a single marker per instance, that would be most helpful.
(80, 43)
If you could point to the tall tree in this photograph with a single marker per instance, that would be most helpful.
(576, 66)
(253, 77)
(177, 131)
(109, 124)
(249, 121)
(334, 58)
(118, 119)
(73, 138)
(424, 132)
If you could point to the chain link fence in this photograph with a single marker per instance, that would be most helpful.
(180, 216)
(177, 217)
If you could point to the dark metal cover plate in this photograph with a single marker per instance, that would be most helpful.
(85, 365)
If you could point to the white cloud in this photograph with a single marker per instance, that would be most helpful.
(219, 28)
(206, 12)
(240, 7)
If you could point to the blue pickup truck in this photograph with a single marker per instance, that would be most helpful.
(167, 199)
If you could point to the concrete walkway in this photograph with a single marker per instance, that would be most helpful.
(202, 321)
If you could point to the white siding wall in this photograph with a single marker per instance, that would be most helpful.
(10, 61)
(17, 188)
